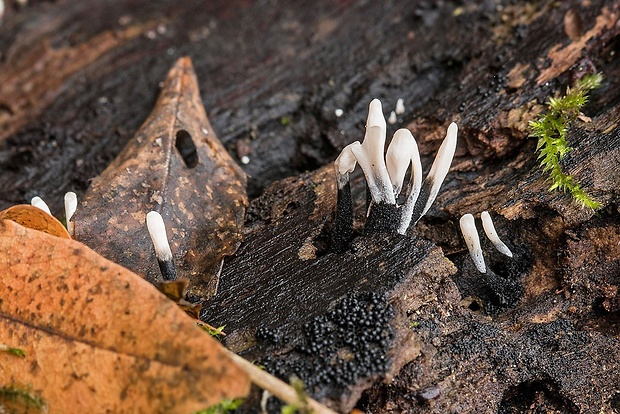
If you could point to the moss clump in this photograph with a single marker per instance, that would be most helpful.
(223, 407)
(18, 399)
(551, 129)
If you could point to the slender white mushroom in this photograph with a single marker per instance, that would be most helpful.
(370, 157)
(400, 107)
(70, 208)
(39, 203)
(399, 156)
(345, 164)
(405, 152)
(157, 231)
(376, 118)
(392, 118)
(470, 234)
(438, 172)
(489, 229)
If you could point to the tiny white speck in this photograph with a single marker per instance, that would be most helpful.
(400, 107)
(339, 112)
(161, 29)
(245, 160)
(151, 34)
(170, 51)
(124, 20)
(392, 119)
(205, 131)
(157, 142)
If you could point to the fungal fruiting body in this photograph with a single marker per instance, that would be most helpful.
(345, 164)
(70, 208)
(438, 172)
(470, 234)
(489, 229)
(157, 231)
(402, 152)
(39, 203)
(400, 106)
(385, 176)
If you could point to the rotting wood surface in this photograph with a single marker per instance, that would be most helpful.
(275, 77)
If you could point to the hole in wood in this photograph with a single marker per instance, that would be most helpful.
(186, 147)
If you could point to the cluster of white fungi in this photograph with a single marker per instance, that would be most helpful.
(385, 178)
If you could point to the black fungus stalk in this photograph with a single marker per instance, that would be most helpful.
(383, 218)
(343, 228)
(157, 231)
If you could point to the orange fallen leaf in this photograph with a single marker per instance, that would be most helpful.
(35, 218)
(98, 338)
(174, 165)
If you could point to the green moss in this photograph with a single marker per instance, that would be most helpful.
(551, 129)
(19, 399)
(13, 351)
(300, 388)
(215, 332)
(225, 406)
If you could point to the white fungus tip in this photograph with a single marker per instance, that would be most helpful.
(157, 231)
(345, 163)
(39, 203)
(375, 115)
(399, 156)
(392, 118)
(400, 107)
(441, 165)
(470, 234)
(415, 182)
(370, 157)
(70, 208)
(338, 112)
(245, 160)
(70, 205)
(489, 229)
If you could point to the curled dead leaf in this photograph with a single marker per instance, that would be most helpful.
(97, 337)
(35, 218)
(174, 165)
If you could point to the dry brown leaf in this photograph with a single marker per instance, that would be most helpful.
(200, 192)
(97, 337)
(35, 218)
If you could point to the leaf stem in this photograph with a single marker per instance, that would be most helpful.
(277, 387)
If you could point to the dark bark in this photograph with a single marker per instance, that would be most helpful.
(539, 332)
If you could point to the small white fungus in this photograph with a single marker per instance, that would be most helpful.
(157, 231)
(489, 229)
(470, 234)
(392, 119)
(39, 203)
(70, 208)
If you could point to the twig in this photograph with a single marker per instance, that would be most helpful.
(277, 387)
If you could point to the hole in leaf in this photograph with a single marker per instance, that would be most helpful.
(186, 147)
